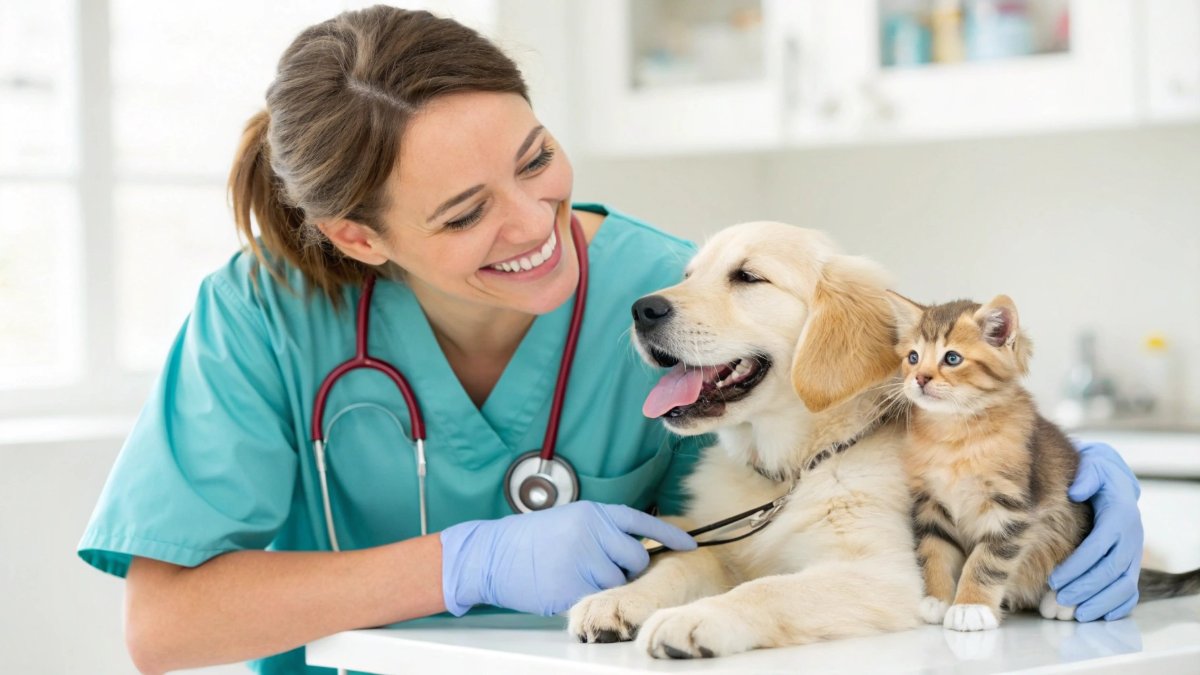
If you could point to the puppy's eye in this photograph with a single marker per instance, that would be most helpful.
(742, 276)
(913, 357)
(952, 358)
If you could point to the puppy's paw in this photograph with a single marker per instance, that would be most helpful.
(970, 617)
(609, 616)
(932, 610)
(703, 629)
(1050, 609)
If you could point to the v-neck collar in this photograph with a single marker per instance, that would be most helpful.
(524, 391)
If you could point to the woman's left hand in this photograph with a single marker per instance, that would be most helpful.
(1100, 578)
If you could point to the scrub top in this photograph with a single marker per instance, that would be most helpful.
(220, 458)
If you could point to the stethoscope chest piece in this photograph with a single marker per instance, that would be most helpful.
(534, 484)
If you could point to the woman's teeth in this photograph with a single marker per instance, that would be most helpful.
(531, 261)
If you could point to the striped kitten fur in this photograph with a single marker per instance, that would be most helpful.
(989, 475)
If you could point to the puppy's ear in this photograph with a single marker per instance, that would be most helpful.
(848, 342)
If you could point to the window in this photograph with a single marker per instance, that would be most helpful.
(40, 229)
(120, 119)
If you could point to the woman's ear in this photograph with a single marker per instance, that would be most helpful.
(848, 342)
(355, 240)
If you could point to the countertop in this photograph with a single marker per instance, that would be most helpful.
(1152, 452)
(1162, 636)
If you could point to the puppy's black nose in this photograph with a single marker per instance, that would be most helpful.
(650, 311)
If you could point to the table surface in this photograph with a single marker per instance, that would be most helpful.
(1161, 636)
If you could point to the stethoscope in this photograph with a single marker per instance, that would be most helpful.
(738, 527)
(534, 481)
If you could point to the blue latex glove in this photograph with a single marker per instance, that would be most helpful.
(544, 562)
(1100, 578)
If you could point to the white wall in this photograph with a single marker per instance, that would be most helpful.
(60, 616)
(1094, 230)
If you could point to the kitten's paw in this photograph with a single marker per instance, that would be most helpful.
(972, 646)
(932, 610)
(703, 629)
(970, 617)
(1050, 609)
(609, 616)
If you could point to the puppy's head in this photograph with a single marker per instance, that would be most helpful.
(766, 312)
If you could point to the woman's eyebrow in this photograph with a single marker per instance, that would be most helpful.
(466, 194)
(528, 141)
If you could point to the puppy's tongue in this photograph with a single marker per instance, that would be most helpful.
(680, 386)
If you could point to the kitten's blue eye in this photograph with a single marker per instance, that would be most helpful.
(913, 357)
(952, 358)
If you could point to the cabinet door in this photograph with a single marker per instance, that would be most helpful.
(1172, 42)
(899, 69)
(679, 76)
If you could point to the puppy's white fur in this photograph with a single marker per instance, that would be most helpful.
(838, 561)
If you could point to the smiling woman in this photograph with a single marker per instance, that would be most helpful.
(401, 149)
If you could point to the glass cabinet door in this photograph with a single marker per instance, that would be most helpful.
(930, 68)
(668, 76)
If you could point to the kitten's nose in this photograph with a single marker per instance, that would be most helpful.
(923, 379)
(650, 311)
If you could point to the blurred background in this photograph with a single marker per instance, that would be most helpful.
(1045, 149)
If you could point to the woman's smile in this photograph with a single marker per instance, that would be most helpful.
(530, 265)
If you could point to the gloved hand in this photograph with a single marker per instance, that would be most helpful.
(1100, 578)
(545, 561)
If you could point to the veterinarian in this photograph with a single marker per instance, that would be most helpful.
(400, 149)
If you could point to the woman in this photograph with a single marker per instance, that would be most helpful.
(400, 147)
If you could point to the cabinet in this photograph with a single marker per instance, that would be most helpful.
(664, 76)
(1172, 52)
(674, 76)
(1056, 65)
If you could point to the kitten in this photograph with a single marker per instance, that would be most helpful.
(989, 475)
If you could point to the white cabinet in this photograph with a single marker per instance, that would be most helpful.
(680, 76)
(1172, 49)
(887, 71)
(663, 76)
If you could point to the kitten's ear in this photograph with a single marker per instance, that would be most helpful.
(848, 342)
(998, 321)
(907, 312)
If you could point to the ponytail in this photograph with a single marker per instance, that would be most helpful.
(255, 189)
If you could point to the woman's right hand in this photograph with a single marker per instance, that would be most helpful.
(545, 561)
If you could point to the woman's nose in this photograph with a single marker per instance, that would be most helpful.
(526, 223)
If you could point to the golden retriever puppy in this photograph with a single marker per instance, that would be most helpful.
(781, 345)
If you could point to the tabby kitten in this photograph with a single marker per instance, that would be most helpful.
(989, 475)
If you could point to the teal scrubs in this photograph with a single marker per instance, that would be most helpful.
(220, 458)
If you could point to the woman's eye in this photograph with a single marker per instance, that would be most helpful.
(539, 162)
(952, 358)
(745, 277)
(466, 221)
(913, 357)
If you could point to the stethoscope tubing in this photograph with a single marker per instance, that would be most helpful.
(568, 356)
(363, 359)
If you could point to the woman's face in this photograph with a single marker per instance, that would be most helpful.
(479, 207)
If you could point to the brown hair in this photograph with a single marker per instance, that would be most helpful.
(344, 91)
